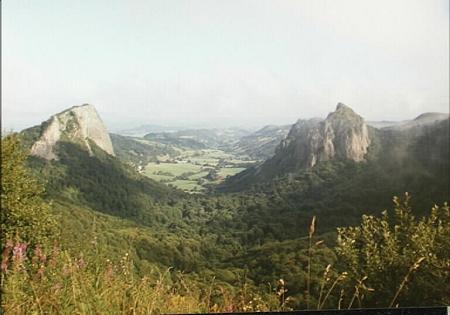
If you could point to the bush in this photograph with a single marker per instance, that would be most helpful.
(24, 212)
(404, 260)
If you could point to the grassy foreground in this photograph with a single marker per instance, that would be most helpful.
(34, 282)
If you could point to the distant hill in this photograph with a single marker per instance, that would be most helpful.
(200, 138)
(384, 123)
(142, 130)
(423, 119)
(139, 152)
(261, 144)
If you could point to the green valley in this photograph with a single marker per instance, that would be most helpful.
(190, 168)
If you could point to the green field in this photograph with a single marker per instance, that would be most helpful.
(176, 169)
(198, 175)
(230, 171)
(194, 166)
(187, 185)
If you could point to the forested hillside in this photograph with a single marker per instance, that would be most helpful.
(260, 241)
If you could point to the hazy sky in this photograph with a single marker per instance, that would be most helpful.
(223, 63)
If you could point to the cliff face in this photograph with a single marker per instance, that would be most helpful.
(79, 124)
(343, 134)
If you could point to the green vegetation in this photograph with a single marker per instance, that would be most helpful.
(171, 169)
(244, 251)
(172, 158)
(61, 283)
(399, 256)
(137, 152)
(24, 214)
(190, 170)
(230, 171)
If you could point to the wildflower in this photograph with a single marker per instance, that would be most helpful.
(19, 252)
(5, 255)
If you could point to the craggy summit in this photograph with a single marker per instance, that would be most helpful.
(79, 124)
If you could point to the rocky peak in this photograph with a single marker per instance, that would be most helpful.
(343, 112)
(341, 107)
(78, 124)
(343, 134)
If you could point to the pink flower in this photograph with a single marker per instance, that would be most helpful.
(5, 255)
(19, 252)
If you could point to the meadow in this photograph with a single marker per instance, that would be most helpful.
(193, 170)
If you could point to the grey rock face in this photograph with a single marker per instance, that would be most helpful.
(79, 124)
(342, 134)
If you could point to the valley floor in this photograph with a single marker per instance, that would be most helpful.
(194, 170)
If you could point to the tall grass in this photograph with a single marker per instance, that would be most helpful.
(59, 282)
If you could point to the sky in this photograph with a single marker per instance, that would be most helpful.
(209, 63)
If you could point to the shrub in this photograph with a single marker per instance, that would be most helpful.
(405, 260)
(24, 212)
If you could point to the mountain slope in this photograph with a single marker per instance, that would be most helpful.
(424, 119)
(343, 136)
(138, 152)
(261, 144)
(73, 151)
(199, 138)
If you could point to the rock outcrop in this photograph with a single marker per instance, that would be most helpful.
(79, 124)
(343, 134)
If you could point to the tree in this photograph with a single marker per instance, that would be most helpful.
(24, 213)
(405, 260)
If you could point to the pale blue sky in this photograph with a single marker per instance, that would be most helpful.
(223, 63)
